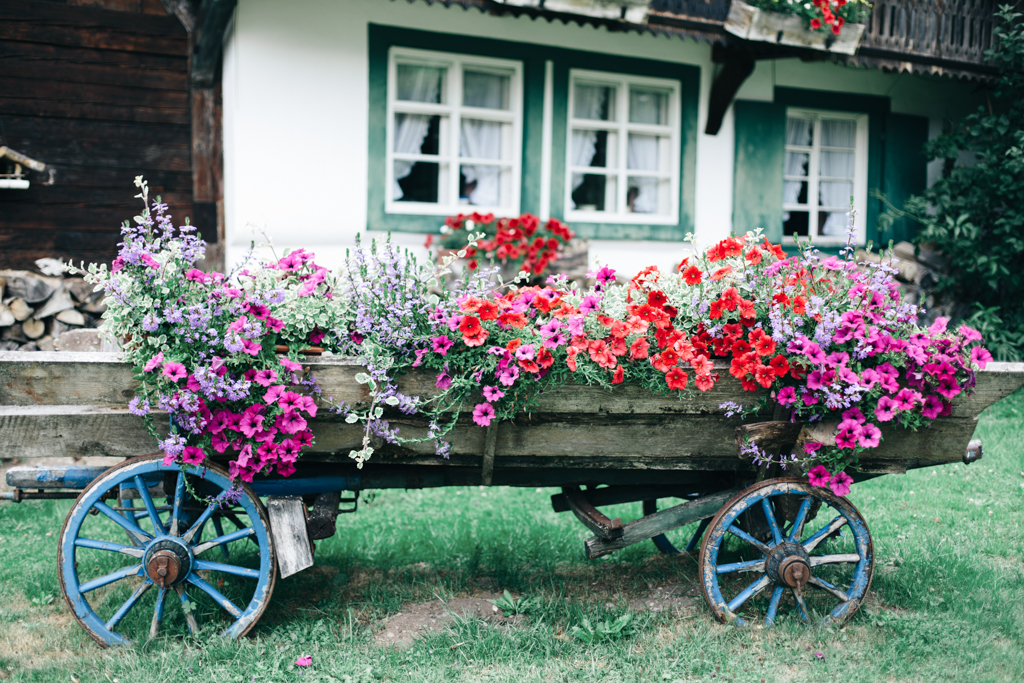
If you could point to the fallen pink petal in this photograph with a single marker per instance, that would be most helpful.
(305, 660)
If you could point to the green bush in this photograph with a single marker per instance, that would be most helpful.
(974, 215)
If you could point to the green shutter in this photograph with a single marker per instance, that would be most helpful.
(905, 168)
(757, 184)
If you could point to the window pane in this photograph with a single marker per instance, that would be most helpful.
(646, 195)
(797, 163)
(593, 192)
(794, 192)
(799, 131)
(480, 139)
(594, 102)
(642, 152)
(832, 223)
(834, 194)
(836, 165)
(648, 106)
(421, 83)
(416, 134)
(838, 133)
(483, 89)
(480, 186)
(794, 223)
(416, 181)
(594, 148)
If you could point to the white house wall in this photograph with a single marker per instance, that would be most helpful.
(296, 116)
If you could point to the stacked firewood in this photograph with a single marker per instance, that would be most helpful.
(918, 272)
(37, 311)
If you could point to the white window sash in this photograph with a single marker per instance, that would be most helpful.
(813, 177)
(622, 127)
(448, 159)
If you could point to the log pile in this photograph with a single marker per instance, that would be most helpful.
(45, 313)
(918, 273)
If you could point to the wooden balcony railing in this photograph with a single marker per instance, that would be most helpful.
(950, 32)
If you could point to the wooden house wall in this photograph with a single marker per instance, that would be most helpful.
(97, 90)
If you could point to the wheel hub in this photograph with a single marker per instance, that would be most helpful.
(789, 565)
(167, 562)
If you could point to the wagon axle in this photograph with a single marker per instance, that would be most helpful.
(789, 565)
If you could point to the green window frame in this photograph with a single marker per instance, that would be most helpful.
(533, 58)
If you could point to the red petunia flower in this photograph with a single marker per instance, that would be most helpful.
(676, 378)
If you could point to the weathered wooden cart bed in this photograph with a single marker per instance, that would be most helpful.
(622, 445)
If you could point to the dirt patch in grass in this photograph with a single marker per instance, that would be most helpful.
(418, 619)
(40, 636)
(675, 598)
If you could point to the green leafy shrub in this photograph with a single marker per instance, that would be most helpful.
(974, 214)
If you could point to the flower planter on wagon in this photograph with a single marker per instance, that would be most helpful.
(135, 537)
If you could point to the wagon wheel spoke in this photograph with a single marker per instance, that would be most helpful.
(773, 523)
(128, 604)
(801, 607)
(201, 548)
(135, 569)
(227, 569)
(158, 613)
(128, 525)
(198, 524)
(750, 566)
(798, 522)
(219, 528)
(740, 533)
(823, 533)
(130, 550)
(749, 592)
(188, 607)
(846, 558)
(773, 605)
(828, 588)
(147, 501)
(217, 596)
(179, 499)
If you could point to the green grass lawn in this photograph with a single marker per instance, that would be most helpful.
(946, 602)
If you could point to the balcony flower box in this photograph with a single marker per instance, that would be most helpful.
(753, 23)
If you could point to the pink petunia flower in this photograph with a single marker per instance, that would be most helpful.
(786, 396)
(854, 414)
(238, 324)
(442, 344)
(840, 484)
(154, 362)
(886, 409)
(250, 347)
(250, 424)
(291, 365)
(304, 661)
(812, 447)
(307, 404)
(493, 393)
(808, 399)
(847, 438)
(938, 327)
(273, 394)
(175, 371)
(819, 476)
(907, 399)
(969, 333)
(290, 401)
(265, 378)
(980, 356)
(443, 381)
(869, 436)
(193, 455)
(483, 413)
(290, 422)
(932, 407)
(509, 375)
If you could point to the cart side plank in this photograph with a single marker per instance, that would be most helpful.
(104, 379)
(623, 441)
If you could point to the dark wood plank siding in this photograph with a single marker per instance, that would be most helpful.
(98, 91)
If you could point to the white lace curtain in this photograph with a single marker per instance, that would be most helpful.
(417, 84)
(838, 165)
(589, 102)
(480, 139)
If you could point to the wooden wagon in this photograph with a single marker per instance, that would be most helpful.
(764, 540)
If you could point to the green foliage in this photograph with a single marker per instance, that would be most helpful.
(975, 213)
(608, 629)
(510, 605)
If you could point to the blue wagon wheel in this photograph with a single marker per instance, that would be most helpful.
(168, 556)
(823, 566)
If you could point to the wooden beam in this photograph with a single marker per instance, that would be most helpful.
(736, 65)
(212, 19)
(183, 11)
